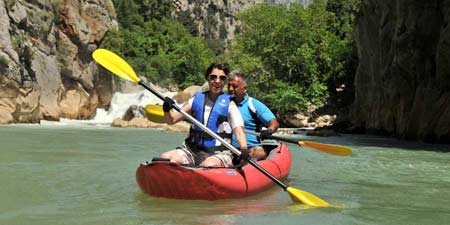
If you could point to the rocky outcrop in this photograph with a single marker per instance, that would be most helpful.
(216, 20)
(402, 82)
(46, 69)
(212, 19)
(181, 127)
(184, 95)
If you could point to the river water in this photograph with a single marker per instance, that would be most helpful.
(53, 174)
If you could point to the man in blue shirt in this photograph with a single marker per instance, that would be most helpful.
(254, 113)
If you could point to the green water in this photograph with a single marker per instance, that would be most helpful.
(85, 175)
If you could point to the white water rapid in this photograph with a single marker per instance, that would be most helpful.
(120, 103)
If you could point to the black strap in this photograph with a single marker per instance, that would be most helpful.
(202, 134)
(220, 148)
(194, 148)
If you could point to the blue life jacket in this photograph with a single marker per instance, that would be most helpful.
(199, 140)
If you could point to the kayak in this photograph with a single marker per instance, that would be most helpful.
(161, 178)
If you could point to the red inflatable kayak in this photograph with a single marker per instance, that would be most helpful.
(163, 179)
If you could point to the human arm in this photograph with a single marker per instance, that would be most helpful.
(237, 125)
(273, 125)
(172, 116)
(240, 136)
(266, 117)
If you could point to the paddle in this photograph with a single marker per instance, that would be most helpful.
(327, 148)
(118, 66)
(154, 113)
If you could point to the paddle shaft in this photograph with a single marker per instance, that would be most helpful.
(273, 137)
(214, 135)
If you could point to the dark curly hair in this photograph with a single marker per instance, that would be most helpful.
(221, 66)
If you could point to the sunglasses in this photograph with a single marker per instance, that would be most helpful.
(235, 86)
(214, 77)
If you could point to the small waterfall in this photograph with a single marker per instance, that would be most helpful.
(120, 103)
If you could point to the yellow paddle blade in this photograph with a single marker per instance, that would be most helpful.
(306, 198)
(115, 64)
(328, 148)
(155, 113)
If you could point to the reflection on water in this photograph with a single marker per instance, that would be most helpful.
(212, 212)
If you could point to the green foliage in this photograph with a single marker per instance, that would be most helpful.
(190, 58)
(3, 61)
(344, 12)
(342, 26)
(292, 52)
(136, 12)
(18, 40)
(128, 14)
(157, 46)
(155, 9)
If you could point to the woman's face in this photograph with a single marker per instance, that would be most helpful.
(216, 81)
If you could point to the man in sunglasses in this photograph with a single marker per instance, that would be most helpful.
(255, 115)
(216, 111)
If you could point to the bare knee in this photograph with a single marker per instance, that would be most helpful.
(165, 155)
(172, 156)
(211, 162)
(257, 153)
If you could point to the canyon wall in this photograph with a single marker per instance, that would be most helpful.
(46, 68)
(402, 84)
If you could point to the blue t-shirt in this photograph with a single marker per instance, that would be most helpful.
(263, 114)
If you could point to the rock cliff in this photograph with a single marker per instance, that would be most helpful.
(216, 20)
(46, 69)
(402, 84)
(212, 19)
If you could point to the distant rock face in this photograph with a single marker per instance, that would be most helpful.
(46, 69)
(216, 19)
(212, 19)
(403, 78)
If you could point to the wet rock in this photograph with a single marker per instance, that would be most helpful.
(181, 127)
(184, 95)
(134, 111)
